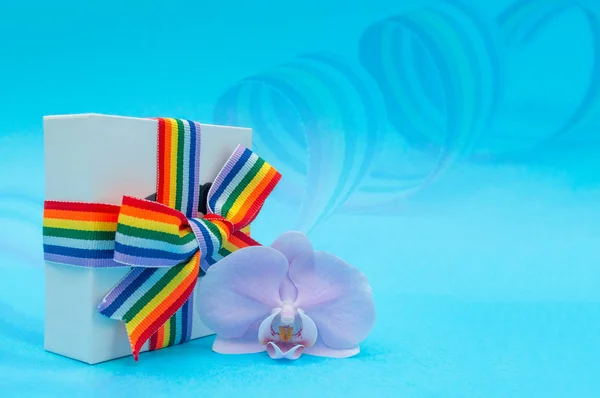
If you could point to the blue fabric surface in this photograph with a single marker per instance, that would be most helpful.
(476, 299)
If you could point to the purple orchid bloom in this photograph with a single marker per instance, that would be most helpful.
(286, 299)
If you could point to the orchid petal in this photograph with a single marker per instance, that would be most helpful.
(309, 331)
(264, 330)
(321, 350)
(240, 289)
(247, 344)
(292, 244)
(287, 291)
(336, 296)
(291, 352)
(237, 346)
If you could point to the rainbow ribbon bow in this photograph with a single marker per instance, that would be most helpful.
(165, 242)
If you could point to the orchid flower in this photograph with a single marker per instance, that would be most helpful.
(286, 299)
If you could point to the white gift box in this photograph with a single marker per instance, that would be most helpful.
(101, 158)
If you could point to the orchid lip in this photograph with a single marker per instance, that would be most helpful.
(287, 332)
(292, 353)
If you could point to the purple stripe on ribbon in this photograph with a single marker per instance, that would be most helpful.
(224, 177)
(190, 202)
(195, 224)
(120, 288)
(197, 167)
(125, 289)
(137, 261)
(81, 262)
(194, 167)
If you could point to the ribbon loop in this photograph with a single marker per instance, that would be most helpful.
(240, 190)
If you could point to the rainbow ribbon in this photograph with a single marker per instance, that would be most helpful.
(165, 242)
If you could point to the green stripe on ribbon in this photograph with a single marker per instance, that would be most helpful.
(155, 235)
(173, 322)
(79, 234)
(242, 185)
(153, 291)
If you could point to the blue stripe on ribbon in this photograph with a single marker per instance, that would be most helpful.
(189, 316)
(210, 260)
(208, 248)
(139, 275)
(184, 321)
(228, 178)
(80, 253)
(178, 326)
(153, 253)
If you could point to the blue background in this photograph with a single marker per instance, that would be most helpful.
(451, 150)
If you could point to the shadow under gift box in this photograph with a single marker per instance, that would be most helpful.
(101, 158)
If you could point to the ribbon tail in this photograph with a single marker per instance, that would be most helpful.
(177, 330)
(147, 298)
